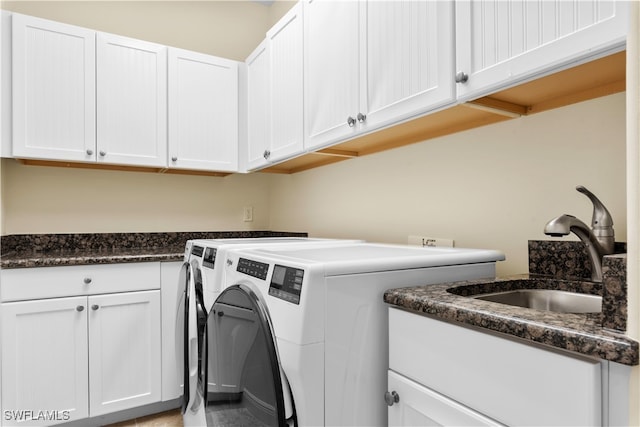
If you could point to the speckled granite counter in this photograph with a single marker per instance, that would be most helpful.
(48, 250)
(580, 333)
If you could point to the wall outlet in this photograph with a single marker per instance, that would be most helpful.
(430, 241)
(247, 214)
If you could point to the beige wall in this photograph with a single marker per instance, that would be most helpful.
(492, 187)
(231, 29)
(53, 200)
(58, 200)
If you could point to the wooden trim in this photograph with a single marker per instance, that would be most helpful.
(193, 172)
(497, 106)
(101, 166)
(429, 133)
(338, 153)
(96, 166)
(575, 97)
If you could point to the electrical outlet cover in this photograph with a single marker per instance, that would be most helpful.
(430, 241)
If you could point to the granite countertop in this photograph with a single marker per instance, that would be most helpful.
(579, 333)
(50, 250)
(55, 258)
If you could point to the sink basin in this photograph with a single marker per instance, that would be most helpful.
(546, 299)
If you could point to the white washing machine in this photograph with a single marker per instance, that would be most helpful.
(201, 277)
(298, 336)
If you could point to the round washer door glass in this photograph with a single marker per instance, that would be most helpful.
(243, 382)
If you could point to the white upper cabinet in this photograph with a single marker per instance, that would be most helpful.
(503, 42)
(275, 93)
(131, 101)
(286, 85)
(54, 113)
(258, 114)
(84, 96)
(409, 61)
(203, 111)
(331, 70)
(369, 64)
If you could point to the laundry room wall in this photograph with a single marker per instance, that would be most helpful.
(59, 200)
(494, 186)
(231, 29)
(491, 187)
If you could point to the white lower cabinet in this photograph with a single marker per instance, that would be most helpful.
(45, 365)
(172, 352)
(124, 351)
(69, 358)
(420, 406)
(445, 374)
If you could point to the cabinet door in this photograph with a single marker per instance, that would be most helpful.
(408, 58)
(53, 90)
(172, 357)
(331, 70)
(556, 388)
(258, 114)
(44, 361)
(420, 406)
(203, 111)
(6, 150)
(131, 101)
(499, 43)
(286, 60)
(124, 351)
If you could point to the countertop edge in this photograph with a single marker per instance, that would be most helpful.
(607, 345)
(31, 262)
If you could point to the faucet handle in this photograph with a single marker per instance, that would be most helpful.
(601, 222)
(601, 217)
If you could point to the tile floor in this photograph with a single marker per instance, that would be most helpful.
(163, 419)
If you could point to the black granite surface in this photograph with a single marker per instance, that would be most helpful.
(614, 292)
(580, 333)
(560, 265)
(563, 259)
(47, 250)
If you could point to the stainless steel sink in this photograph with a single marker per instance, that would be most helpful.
(546, 299)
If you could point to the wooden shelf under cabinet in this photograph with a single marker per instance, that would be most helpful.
(101, 166)
(601, 77)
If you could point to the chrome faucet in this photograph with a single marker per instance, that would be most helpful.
(599, 239)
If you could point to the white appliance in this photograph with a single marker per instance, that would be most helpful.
(298, 335)
(201, 277)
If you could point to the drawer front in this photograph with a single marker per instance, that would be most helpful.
(420, 406)
(509, 381)
(53, 282)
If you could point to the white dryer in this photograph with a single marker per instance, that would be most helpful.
(201, 279)
(298, 335)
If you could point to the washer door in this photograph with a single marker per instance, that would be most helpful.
(244, 385)
(187, 335)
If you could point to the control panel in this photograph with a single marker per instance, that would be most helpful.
(197, 251)
(286, 283)
(209, 258)
(253, 268)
